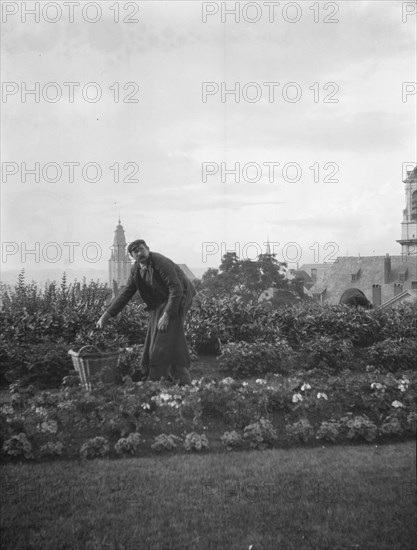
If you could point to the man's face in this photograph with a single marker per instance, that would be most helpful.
(140, 253)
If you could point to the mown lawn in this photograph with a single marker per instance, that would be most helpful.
(359, 497)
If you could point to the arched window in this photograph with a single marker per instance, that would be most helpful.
(414, 206)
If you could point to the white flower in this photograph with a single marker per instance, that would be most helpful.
(227, 380)
(377, 386)
(305, 387)
(321, 395)
(165, 396)
(397, 404)
(244, 383)
(260, 381)
(41, 411)
(403, 384)
(145, 406)
(50, 426)
(297, 397)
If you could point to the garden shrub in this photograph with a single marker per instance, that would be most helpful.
(44, 364)
(231, 440)
(195, 442)
(18, 445)
(394, 354)
(326, 352)
(358, 427)
(302, 429)
(52, 449)
(329, 431)
(391, 426)
(165, 442)
(260, 434)
(412, 422)
(97, 446)
(244, 359)
(129, 444)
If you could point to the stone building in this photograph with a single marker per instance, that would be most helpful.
(119, 262)
(385, 280)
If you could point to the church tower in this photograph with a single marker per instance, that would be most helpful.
(408, 239)
(119, 262)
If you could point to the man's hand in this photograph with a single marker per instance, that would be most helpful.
(101, 323)
(163, 323)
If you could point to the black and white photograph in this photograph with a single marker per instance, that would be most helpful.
(208, 283)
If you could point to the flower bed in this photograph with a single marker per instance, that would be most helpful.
(138, 419)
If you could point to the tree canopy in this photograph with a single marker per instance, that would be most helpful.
(245, 278)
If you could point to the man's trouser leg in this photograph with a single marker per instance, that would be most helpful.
(179, 371)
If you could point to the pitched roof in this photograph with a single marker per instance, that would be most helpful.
(187, 272)
(405, 296)
(338, 277)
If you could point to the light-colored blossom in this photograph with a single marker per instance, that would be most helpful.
(305, 387)
(297, 397)
(403, 384)
(397, 404)
(377, 386)
(145, 406)
(260, 381)
(227, 380)
(322, 395)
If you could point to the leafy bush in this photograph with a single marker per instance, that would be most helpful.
(164, 442)
(231, 440)
(325, 351)
(129, 444)
(412, 422)
(391, 426)
(329, 431)
(44, 364)
(302, 429)
(52, 449)
(38, 327)
(260, 434)
(194, 441)
(394, 354)
(18, 445)
(130, 362)
(358, 427)
(243, 359)
(97, 446)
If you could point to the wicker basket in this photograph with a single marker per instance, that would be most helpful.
(90, 361)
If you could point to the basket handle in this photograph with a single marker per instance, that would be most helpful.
(90, 347)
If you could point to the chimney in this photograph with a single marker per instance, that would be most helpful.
(398, 288)
(387, 269)
(376, 295)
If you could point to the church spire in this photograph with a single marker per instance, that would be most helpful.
(408, 239)
(268, 247)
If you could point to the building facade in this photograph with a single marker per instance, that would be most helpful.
(119, 262)
(385, 280)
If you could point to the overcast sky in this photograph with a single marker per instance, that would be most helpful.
(169, 130)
